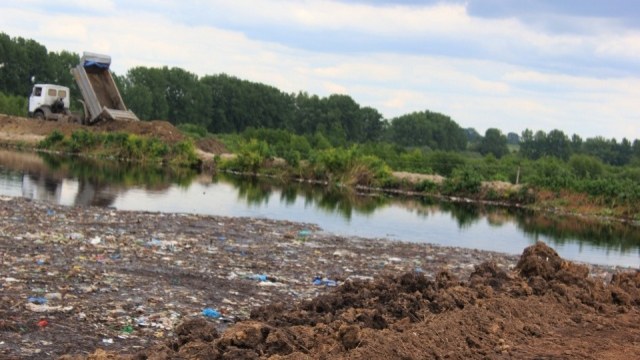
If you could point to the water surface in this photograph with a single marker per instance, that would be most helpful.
(81, 182)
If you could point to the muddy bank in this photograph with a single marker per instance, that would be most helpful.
(76, 279)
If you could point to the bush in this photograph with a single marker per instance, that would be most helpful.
(444, 163)
(13, 105)
(585, 166)
(50, 141)
(427, 186)
(552, 173)
(251, 157)
(123, 146)
(464, 180)
(193, 130)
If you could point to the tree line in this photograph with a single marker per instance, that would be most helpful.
(226, 104)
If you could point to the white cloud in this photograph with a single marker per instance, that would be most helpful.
(475, 93)
(625, 46)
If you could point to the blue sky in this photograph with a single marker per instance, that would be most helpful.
(568, 65)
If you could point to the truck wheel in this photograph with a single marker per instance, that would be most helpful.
(39, 115)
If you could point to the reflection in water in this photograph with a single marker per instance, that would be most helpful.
(73, 181)
(80, 181)
(559, 229)
(563, 229)
(343, 201)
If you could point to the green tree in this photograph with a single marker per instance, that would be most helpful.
(494, 142)
(557, 144)
(428, 129)
(13, 105)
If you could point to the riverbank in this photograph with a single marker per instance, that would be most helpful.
(25, 133)
(75, 279)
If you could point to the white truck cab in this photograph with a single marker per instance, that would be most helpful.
(49, 101)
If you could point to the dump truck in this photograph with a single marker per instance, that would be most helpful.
(50, 102)
(100, 101)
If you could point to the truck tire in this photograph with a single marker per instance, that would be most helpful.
(39, 115)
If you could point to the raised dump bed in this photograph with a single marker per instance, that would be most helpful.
(102, 100)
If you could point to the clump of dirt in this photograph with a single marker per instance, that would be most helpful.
(156, 128)
(547, 308)
(211, 145)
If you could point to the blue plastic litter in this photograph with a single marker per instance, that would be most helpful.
(318, 281)
(258, 277)
(37, 300)
(211, 313)
(304, 233)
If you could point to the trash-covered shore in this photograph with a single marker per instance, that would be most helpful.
(75, 279)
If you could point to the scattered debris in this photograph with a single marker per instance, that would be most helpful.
(151, 272)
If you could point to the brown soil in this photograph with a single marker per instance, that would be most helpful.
(17, 129)
(547, 308)
(211, 146)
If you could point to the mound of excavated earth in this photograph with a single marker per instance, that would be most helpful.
(547, 308)
(15, 129)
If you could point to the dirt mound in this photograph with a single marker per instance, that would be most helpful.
(548, 308)
(156, 128)
(19, 128)
(211, 145)
(13, 128)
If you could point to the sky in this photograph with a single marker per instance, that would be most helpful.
(571, 65)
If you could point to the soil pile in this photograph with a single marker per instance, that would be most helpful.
(17, 129)
(157, 128)
(211, 146)
(547, 308)
(32, 130)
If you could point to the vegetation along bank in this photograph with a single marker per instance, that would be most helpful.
(335, 140)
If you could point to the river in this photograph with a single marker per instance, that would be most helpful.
(82, 182)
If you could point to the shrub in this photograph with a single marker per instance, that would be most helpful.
(552, 173)
(464, 180)
(444, 163)
(251, 157)
(585, 166)
(427, 186)
(50, 141)
(193, 130)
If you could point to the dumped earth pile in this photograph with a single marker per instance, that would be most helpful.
(162, 130)
(211, 146)
(103, 284)
(15, 129)
(547, 308)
